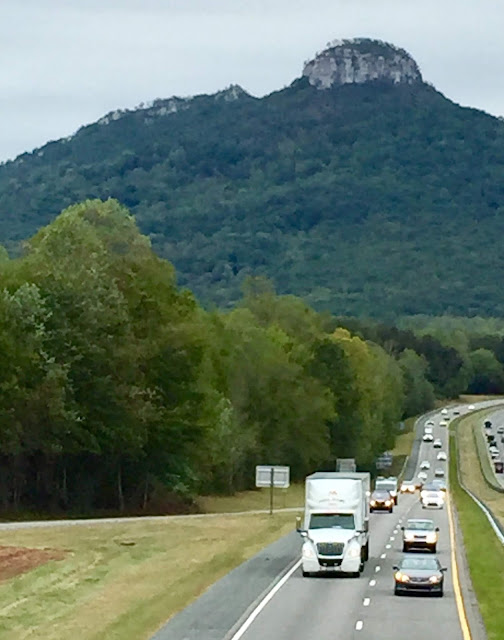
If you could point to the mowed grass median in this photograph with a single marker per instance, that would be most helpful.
(122, 581)
(485, 553)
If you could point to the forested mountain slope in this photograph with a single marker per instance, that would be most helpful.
(365, 194)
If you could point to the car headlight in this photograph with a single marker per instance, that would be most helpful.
(373, 503)
(409, 536)
(434, 579)
(401, 577)
(308, 551)
(388, 503)
(354, 552)
(431, 537)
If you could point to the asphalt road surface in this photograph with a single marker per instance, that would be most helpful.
(335, 606)
(366, 608)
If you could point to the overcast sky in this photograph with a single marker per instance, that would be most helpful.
(65, 63)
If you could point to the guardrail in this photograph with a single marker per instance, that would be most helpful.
(492, 519)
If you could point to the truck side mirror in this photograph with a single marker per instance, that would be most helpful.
(437, 528)
(395, 568)
(402, 528)
(298, 523)
(303, 533)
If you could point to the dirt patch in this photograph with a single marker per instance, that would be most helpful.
(16, 560)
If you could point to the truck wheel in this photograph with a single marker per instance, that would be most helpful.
(306, 574)
(395, 500)
(366, 552)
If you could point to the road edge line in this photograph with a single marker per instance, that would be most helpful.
(260, 606)
(461, 610)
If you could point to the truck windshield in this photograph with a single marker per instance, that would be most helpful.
(332, 521)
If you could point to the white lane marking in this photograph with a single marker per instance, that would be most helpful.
(383, 555)
(377, 569)
(392, 538)
(388, 546)
(395, 531)
(358, 625)
(372, 583)
(265, 601)
(366, 602)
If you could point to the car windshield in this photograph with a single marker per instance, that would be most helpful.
(420, 563)
(432, 494)
(386, 486)
(332, 521)
(381, 495)
(422, 525)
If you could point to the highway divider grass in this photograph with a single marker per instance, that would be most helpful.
(484, 551)
(124, 580)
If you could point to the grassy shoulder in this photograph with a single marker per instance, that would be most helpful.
(124, 580)
(293, 497)
(470, 469)
(485, 553)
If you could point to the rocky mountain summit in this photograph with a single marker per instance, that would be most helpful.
(361, 60)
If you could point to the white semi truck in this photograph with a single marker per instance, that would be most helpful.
(336, 522)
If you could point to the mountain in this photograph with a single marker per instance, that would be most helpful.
(359, 187)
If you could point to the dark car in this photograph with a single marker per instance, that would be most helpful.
(419, 574)
(381, 500)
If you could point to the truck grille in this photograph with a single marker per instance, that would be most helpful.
(330, 548)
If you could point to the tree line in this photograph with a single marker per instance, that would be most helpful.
(121, 392)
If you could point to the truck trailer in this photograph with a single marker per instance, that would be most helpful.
(336, 523)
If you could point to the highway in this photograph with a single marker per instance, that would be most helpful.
(335, 606)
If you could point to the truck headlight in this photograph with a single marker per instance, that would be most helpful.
(409, 536)
(308, 551)
(354, 552)
(431, 537)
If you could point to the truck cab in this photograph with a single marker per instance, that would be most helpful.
(336, 523)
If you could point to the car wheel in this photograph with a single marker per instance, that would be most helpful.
(433, 548)
(391, 510)
(405, 547)
(397, 592)
(440, 593)
(395, 500)
(366, 552)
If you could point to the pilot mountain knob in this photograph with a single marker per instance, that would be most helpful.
(359, 61)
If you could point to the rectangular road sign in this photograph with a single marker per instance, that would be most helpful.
(281, 476)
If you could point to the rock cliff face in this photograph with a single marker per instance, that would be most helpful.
(361, 60)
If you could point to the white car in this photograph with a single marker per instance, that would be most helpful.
(443, 423)
(422, 476)
(428, 437)
(428, 430)
(471, 407)
(424, 465)
(434, 499)
(444, 412)
(442, 456)
(437, 444)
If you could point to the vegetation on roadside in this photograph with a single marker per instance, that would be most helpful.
(484, 551)
(123, 581)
